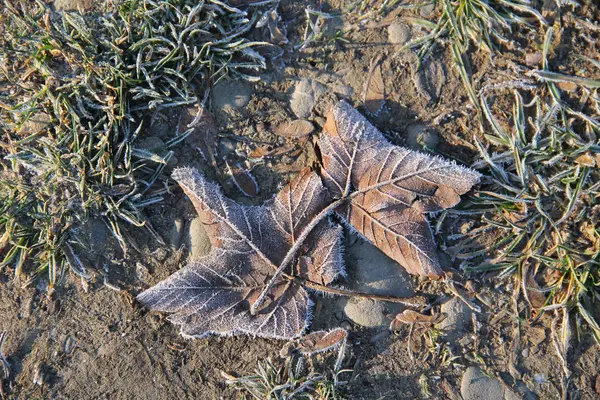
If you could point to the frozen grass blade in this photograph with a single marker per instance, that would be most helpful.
(144, 56)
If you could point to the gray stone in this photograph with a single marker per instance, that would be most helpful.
(430, 79)
(374, 272)
(458, 318)
(74, 5)
(510, 395)
(534, 59)
(305, 94)
(427, 10)
(475, 385)
(197, 241)
(150, 143)
(365, 312)
(398, 33)
(226, 147)
(175, 233)
(231, 94)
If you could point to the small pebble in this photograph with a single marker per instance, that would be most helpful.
(344, 91)
(427, 10)
(175, 233)
(378, 337)
(475, 385)
(398, 33)
(305, 94)
(346, 325)
(533, 59)
(231, 94)
(458, 319)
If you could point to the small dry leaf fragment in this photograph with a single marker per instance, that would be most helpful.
(586, 160)
(277, 34)
(413, 317)
(534, 294)
(258, 153)
(566, 86)
(374, 93)
(294, 129)
(321, 341)
(243, 180)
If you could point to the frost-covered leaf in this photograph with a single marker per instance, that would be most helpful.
(214, 293)
(388, 188)
(263, 257)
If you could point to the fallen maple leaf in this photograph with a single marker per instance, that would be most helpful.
(388, 188)
(264, 258)
(214, 294)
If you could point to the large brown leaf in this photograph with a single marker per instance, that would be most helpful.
(263, 257)
(388, 187)
(214, 293)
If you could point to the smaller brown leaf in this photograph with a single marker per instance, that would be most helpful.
(243, 180)
(294, 129)
(392, 187)
(412, 317)
(258, 153)
(331, 126)
(321, 341)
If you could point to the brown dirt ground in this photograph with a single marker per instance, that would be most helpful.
(101, 344)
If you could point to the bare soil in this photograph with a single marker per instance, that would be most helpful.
(98, 343)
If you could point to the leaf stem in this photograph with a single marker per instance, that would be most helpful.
(413, 301)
